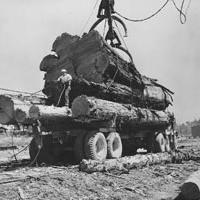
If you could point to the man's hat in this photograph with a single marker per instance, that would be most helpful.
(63, 70)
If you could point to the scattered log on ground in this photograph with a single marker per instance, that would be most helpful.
(138, 161)
(125, 163)
(8, 106)
(124, 116)
(190, 190)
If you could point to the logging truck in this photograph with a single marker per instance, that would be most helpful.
(98, 129)
(113, 109)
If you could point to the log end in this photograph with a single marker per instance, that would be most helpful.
(190, 191)
(48, 62)
(6, 109)
(81, 106)
(20, 115)
(34, 112)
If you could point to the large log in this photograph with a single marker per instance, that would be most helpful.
(124, 163)
(138, 161)
(89, 57)
(152, 97)
(52, 118)
(59, 119)
(92, 59)
(8, 106)
(42, 112)
(124, 116)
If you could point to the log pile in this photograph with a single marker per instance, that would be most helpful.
(105, 87)
(98, 70)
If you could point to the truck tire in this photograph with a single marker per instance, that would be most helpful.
(114, 144)
(95, 146)
(78, 149)
(160, 143)
(43, 155)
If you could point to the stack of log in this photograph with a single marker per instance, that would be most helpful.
(98, 70)
(105, 88)
(104, 85)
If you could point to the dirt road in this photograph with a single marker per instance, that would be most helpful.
(67, 182)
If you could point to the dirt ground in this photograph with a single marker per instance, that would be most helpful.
(22, 181)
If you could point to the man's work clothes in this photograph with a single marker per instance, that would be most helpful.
(66, 79)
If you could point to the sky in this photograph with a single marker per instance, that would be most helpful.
(162, 47)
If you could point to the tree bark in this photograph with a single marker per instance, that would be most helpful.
(89, 57)
(42, 112)
(138, 161)
(124, 116)
(60, 119)
(92, 59)
(152, 97)
(124, 164)
(52, 118)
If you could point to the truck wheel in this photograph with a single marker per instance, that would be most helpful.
(160, 143)
(43, 155)
(79, 147)
(114, 144)
(95, 146)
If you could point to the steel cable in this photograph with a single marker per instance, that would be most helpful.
(147, 18)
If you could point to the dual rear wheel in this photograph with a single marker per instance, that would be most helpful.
(92, 145)
(41, 151)
(95, 146)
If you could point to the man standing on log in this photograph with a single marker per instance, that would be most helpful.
(65, 79)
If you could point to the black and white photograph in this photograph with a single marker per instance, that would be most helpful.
(99, 100)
